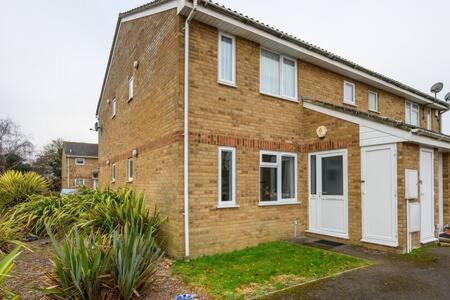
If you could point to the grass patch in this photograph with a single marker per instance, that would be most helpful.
(421, 256)
(265, 268)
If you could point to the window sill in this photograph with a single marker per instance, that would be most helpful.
(227, 206)
(350, 104)
(229, 84)
(295, 99)
(276, 203)
(374, 111)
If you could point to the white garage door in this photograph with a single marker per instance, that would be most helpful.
(379, 194)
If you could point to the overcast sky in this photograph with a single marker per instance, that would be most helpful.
(53, 54)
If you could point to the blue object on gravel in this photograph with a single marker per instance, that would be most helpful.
(184, 297)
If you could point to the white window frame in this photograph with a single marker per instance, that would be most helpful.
(130, 88)
(353, 102)
(80, 163)
(232, 203)
(233, 59)
(281, 96)
(376, 101)
(277, 165)
(411, 104)
(113, 108)
(113, 173)
(429, 119)
(82, 182)
(130, 178)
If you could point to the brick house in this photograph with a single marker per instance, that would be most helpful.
(280, 138)
(79, 165)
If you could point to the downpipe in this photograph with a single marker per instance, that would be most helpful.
(186, 129)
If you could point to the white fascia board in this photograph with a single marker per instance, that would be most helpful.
(396, 132)
(320, 59)
(152, 10)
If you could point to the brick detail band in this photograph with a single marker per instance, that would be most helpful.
(238, 142)
(163, 141)
(259, 144)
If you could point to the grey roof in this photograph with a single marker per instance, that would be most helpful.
(275, 32)
(80, 149)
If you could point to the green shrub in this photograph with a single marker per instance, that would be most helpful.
(119, 265)
(135, 257)
(6, 264)
(9, 231)
(104, 211)
(82, 267)
(118, 261)
(114, 210)
(58, 213)
(17, 187)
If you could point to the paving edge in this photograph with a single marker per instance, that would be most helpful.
(311, 281)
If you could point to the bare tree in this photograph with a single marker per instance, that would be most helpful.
(13, 144)
(48, 163)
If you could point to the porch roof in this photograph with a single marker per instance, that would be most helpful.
(406, 132)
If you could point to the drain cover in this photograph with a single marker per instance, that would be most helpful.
(328, 243)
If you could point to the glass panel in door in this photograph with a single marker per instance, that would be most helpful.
(332, 175)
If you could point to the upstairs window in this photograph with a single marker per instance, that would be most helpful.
(130, 88)
(373, 101)
(278, 75)
(113, 108)
(79, 161)
(130, 169)
(227, 59)
(429, 119)
(227, 177)
(349, 93)
(113, 173)
(278, 178)
(411, 113)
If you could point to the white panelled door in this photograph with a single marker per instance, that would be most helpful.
(328, 196)
(426, 174)
(379, 194)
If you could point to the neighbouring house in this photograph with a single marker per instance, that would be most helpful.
(79, 166)
(242, 134)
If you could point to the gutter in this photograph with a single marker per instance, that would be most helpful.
(431, 134)
(186, 129)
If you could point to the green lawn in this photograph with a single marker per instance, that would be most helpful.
(265, 268)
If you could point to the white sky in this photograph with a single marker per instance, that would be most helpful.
(53, 54)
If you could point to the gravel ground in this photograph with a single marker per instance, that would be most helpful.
(29, 274)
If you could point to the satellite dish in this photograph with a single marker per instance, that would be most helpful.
(447, 97)
(437, 87)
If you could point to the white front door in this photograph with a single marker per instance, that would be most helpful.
(426, 196)
(328, 200)
(379, 194)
